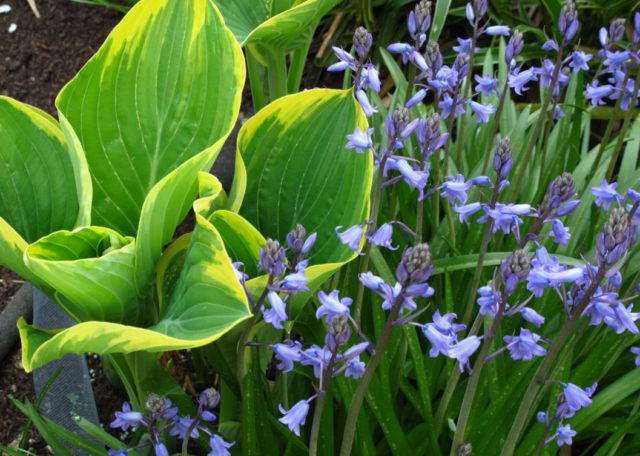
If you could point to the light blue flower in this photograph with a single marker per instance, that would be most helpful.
(532, 316)
(559, 232)
(332, 305)
(295, 416)
(219, 447)
(606, 194)
(524, 346)
(351, 237)
(482, 111)
(277, 313)
(382, 236)
(498, 30)
(360, 140)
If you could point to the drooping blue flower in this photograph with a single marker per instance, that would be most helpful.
(548, 272)
(446, 106)
(486, 84)
(514, 47)
(525, 346)
(488, 301)
(287, 353)
(369, 78)
(355, 368)
(316, 356)
(559, 232)
(368, 109)
(114, 452)
(463, 350)
(633, 195)
(532, 316)
(464, 46)
(219, 447)
(506, 217)
(518, 79)
(550, 45)
(332, 305)
(160, 449)
(414, 177)
(467, 210)
(624, 319)
(568, 21)
(446, 78)
(577, 398)
(371, 280)
(627, 91)
(351, 237)
(455, 188)
(295, 416)
(600, 307)
(596, 92)
(277, 313)
(606, 194)
(346, 60)
(382, 237)
(126, 418)
(579, 61)
(238, 267)
(542, 418)
(563, 435)
(416, 98)
(616, 59)
(440, 343)
(182, 425)
(546, 73)
(360, 140)
(636, 351)
(498, 30)
(295, 282)
(482, 111)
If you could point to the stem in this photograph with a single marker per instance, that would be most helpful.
(547, 363)
(242, 348)
(545, 138)
(325, 384)
(496, 125)
(466, 91)
(623, 131)
(277, 74)
(296, 67)
(256, 79)
(364, 264)
(358, 397)
(419, 219)
(541, 121)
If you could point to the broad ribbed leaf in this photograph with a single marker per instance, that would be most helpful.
(283, 24)
(92, 268)
(38, 191)
(207, 301)
(298, 170)
(165, 86)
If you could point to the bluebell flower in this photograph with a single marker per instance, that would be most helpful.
(635, 39)
(295, 416)
(369, 78)
(444, 323)
(332, 305)
(346, 60)
(514, 47)
(599, 307)
(482, 111)
(351, 237)
(579, 61)
(160, 449)
(514, 270)
(238, 267)
(360, 140)
(503, 158)
(568, 21)
(636, 351)
(428, 134)
(181, 425)
(113, 452)
(559, 232)
(550, 45)
(382, 237)
(548, 272)
(400, 48)
(446, 106)
(486, 84)
(464, 46)
(518, 79)
(126, 418)
(623, 319)
(287, 353)
(616, 59)
(463, 350)
(471, 16)
(489, 300)
(219, 447)
(415, 178)
(576, 397)
(446, 78)
(498, 30)
(525, 346)
(160, 407)
(361, 96)
(440, 343)
(633, 195)
(467, 210)
(566, 209)
(316, 356)
(277, 313)
(506, 217)
(362, 41)
(409, 54)
(371, 281)
(295, 282)
(532, 316)
(546, 73)
(455, 188)
(542, 418)
(416, 98)
(415, 266)
(628, 92)
(272, 257)
(615, 239)
(355, 368)
(419, 21)
(563, 435)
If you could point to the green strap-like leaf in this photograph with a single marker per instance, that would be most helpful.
(165, 86)
(281, 24)
(38, 190)
(207, 301)
(299, 171)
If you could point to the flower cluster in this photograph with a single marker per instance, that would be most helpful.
(572, 399)
(161, 417)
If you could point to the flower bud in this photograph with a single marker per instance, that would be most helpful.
(568, 21)
(339, 331)
(295, 238)
(465, 450)
(480, 6)
(422, 13)
(433, 57)
(461, 64)
(560, 190)
(613, 241)
(272, 257)
(415, 266)
(362, 41)
(502, 159)
(617, 29)
(514, 47)
(209, 398)
(514, 269)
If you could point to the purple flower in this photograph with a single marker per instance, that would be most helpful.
(351, 237)
(446, 79)
(112, 452)
(371, 281)
(446, 105)
(287, 353)
(486, 85)
(482, 111)
(633, 195)
(606, 194)
(464, 46)
(463, 350)
(471, 17)
(568, 21)
(623, 319)
(295, 282)
(277, 313)
(416, 98)
(616, 59)
(514, 47)
(579, 61)
(382, 237)
(550, 45)
(506, 217)
(542, 418)
(346, 60)
(498, 30)
(160, 449)
(636, 351)
(455, 188)
(559, 232)
(415, 178)
(361, 96)
(599, 307)
(440, 343)
(126, 418)
(316, 356)
(295, 416)
(595, 92)
(369, 77)
(467, 210)
(360, 140)
(576, 397)
(563, 436)
(219, 447)
(532, 316)
(355, 368)
(548, 272)
(525, 346)
(332, 305)
(488, 301)
(518, 80)
(181, 425)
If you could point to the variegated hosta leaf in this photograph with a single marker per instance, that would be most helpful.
(207, 301)
(299, 171)
(38, 189)
(165, 86)
(283, 24)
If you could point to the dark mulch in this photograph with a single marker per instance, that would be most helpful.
(10, 283)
